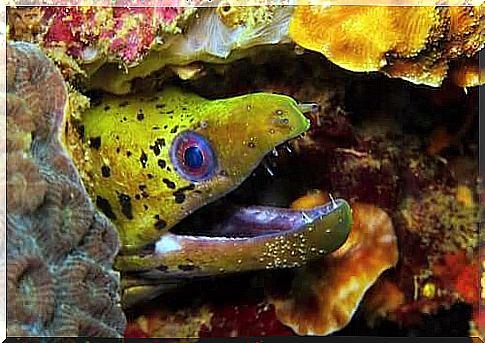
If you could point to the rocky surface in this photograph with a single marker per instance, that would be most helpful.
(60, 249)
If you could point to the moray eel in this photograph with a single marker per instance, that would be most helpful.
(150, 161)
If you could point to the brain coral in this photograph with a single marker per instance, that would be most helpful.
(60, 250)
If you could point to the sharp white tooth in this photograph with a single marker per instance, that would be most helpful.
(275, 153)
(306, 218)
(334, 204)
(289, 149)
(268, 169)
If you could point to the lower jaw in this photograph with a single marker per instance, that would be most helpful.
(279, 238)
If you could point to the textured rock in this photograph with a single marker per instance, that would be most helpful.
(60, 250)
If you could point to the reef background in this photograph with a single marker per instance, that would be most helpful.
(408, 150)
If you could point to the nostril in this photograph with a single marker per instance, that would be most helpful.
(309, 107)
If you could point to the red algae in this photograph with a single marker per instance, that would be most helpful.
(460, 273)
(123, 33)
(244, 320)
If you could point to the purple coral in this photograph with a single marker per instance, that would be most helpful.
(60, 249)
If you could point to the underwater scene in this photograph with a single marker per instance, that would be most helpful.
(219, 170)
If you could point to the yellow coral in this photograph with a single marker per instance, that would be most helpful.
(310, 200)
(359, 37)
(416, 43)
(464, 196)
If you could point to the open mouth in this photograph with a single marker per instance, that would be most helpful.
(251, 228)
(255, 216)
(260, 206)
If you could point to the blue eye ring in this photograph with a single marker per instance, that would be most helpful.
(193, 157)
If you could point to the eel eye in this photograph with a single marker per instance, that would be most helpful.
(193, 157)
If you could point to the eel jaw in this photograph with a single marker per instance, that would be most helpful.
(271, 238)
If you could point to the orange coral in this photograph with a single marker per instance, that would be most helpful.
(311, 199)
(465, 35)
(325, 294)
(414, 42)
(343, 33)
(383, 298)
(468, 73)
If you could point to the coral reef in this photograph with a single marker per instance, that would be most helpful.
(369, 142)
(208, 38)
(144, 40)
(424, 45)
(414, 43)
(400, 148)
(117, 33)
(81, 39)
(443, 220)
(60, 250)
